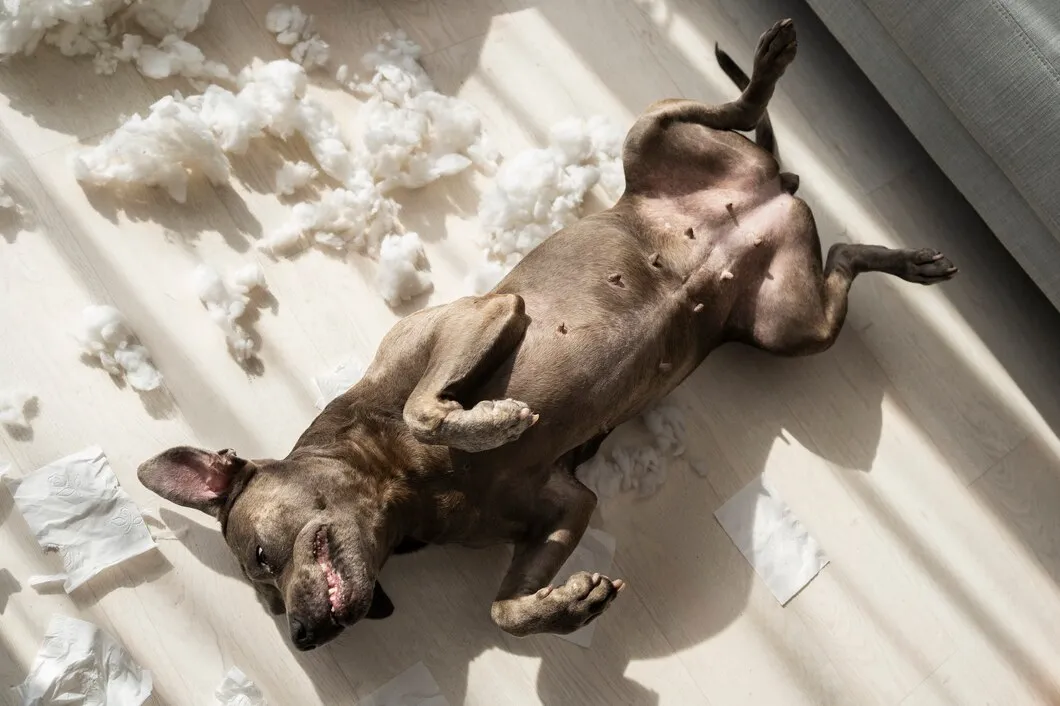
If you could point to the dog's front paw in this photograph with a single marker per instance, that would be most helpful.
(489, 424)
(927, 266)
(578, 602)
(776, 50)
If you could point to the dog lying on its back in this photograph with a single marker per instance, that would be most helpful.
(468, 425)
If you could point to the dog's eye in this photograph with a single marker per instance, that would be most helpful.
(262, 561)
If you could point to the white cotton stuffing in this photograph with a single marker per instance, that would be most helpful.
(226, 300)
(540, 191)
(396, 71)
(641, 468)
(175, 57)
(161, 149)
(79, 27)
(25, 23)
(164, 17)
(13, 406)
(357, 217)
(399, 277)
(427, 137)
(105, 336)
(294, 28)
(292, 176)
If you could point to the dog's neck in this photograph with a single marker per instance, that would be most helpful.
(381, 456)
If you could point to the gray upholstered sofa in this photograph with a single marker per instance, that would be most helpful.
(978, 84)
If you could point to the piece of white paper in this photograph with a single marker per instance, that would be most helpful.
(334, 383)
(75, 505)
(594, 553)
(413, 687)
(238, 690)
(772, 539)
(80, 664)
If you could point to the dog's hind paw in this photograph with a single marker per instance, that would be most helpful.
(776, 50)
(927, 266)
(487, 425)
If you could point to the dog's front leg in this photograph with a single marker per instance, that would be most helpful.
(526, 603)
(468, 340)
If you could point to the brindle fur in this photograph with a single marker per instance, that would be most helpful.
(441, 440)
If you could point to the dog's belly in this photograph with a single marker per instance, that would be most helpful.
(624, 305)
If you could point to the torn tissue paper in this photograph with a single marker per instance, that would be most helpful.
(105, 336)
(334, 383)
(594, 553)
(413, 687)
(76, 506)
(771, 538)
(80, 664)
(238, 690)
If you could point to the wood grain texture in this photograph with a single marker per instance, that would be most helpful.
(921, 450)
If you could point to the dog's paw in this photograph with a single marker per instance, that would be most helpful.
(489, 424)
(928, 266)
(579, 601)
(776, 50)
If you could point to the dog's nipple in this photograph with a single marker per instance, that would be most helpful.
(691, 235)
(615, 278)
(562, 328)
(654, 259)
(732, 213)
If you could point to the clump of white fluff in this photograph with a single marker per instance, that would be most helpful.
(162, 149)
(644, 467)
(411, 134)
(164, 17)
(541, 191)
(399, 277)
(357, 217)
(294, 28)
(173, 57)
(78, 27)
(13, 407)
(226, 300)
(396, 71)
(105, 336)
(292, 176)
(427, 137)
(24, 24)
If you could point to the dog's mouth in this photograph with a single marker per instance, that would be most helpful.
(337, 588)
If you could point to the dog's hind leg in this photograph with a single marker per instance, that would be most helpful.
(775, 51)
(808, 311)
(526, 602)
(466, 342)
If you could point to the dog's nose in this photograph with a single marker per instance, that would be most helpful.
(301, 636)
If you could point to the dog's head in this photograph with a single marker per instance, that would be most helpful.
(301, 529)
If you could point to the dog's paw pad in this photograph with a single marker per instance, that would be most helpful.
(927, 266)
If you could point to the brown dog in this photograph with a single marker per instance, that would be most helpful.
(707, 245)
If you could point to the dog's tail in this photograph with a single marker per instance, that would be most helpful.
(764, 136)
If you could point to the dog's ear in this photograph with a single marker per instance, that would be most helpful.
(381, 605)
(192, 477)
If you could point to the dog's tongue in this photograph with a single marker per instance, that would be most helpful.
(323, 550)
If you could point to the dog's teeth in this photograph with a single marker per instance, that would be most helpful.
(698, 308)
(726, 275)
